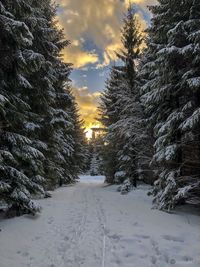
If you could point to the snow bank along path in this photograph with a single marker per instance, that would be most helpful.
(91, 225)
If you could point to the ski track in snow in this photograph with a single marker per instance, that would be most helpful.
(92, 225)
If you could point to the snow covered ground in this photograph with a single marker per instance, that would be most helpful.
(92, 179)
(91, 225)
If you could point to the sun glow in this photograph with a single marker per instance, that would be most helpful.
(89, 132)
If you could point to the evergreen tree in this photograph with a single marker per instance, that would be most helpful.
(51, 100)
(167, 98)
(189, 183)
(41, 135)
(80, 154)
(16, 148)
(109, 114)
(96, 153)
(145, 135)
(48, 98)
(123, 93)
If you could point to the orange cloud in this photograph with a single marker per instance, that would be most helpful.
(88, 104)
(143, 3)
(79, 58)
(98, 21)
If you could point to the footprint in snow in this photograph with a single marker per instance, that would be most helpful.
(187, 258)
(129, 254)
(50, 220)
(172, 261)
(115, 237)
(25, 254)
(173, 238)
(153, 260)
(107, 231)
(142, 236)
(66, 238)
(128, 241)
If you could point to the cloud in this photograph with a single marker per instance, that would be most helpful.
(88, 104)
(80, 58)
(143, 3)
(97, 21)
(75, 53)
(90, 24)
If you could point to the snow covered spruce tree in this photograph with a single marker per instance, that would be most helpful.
(51, 101)
(189, 184)
(16, 186)
(109, 114)
(121, 107)
(168, 100)
(46, 83)
(39, 125)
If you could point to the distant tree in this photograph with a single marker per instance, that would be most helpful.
(80, 153)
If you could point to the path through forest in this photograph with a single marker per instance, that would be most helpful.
(92, 225)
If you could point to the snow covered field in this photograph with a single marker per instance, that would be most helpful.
(91, 225)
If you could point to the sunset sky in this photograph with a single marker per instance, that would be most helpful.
(93, 27)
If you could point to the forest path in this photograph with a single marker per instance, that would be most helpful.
(91, 225)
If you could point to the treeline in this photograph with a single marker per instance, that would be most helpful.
(151, 105)
(41, 140)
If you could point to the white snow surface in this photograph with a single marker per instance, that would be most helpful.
(92, 225)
